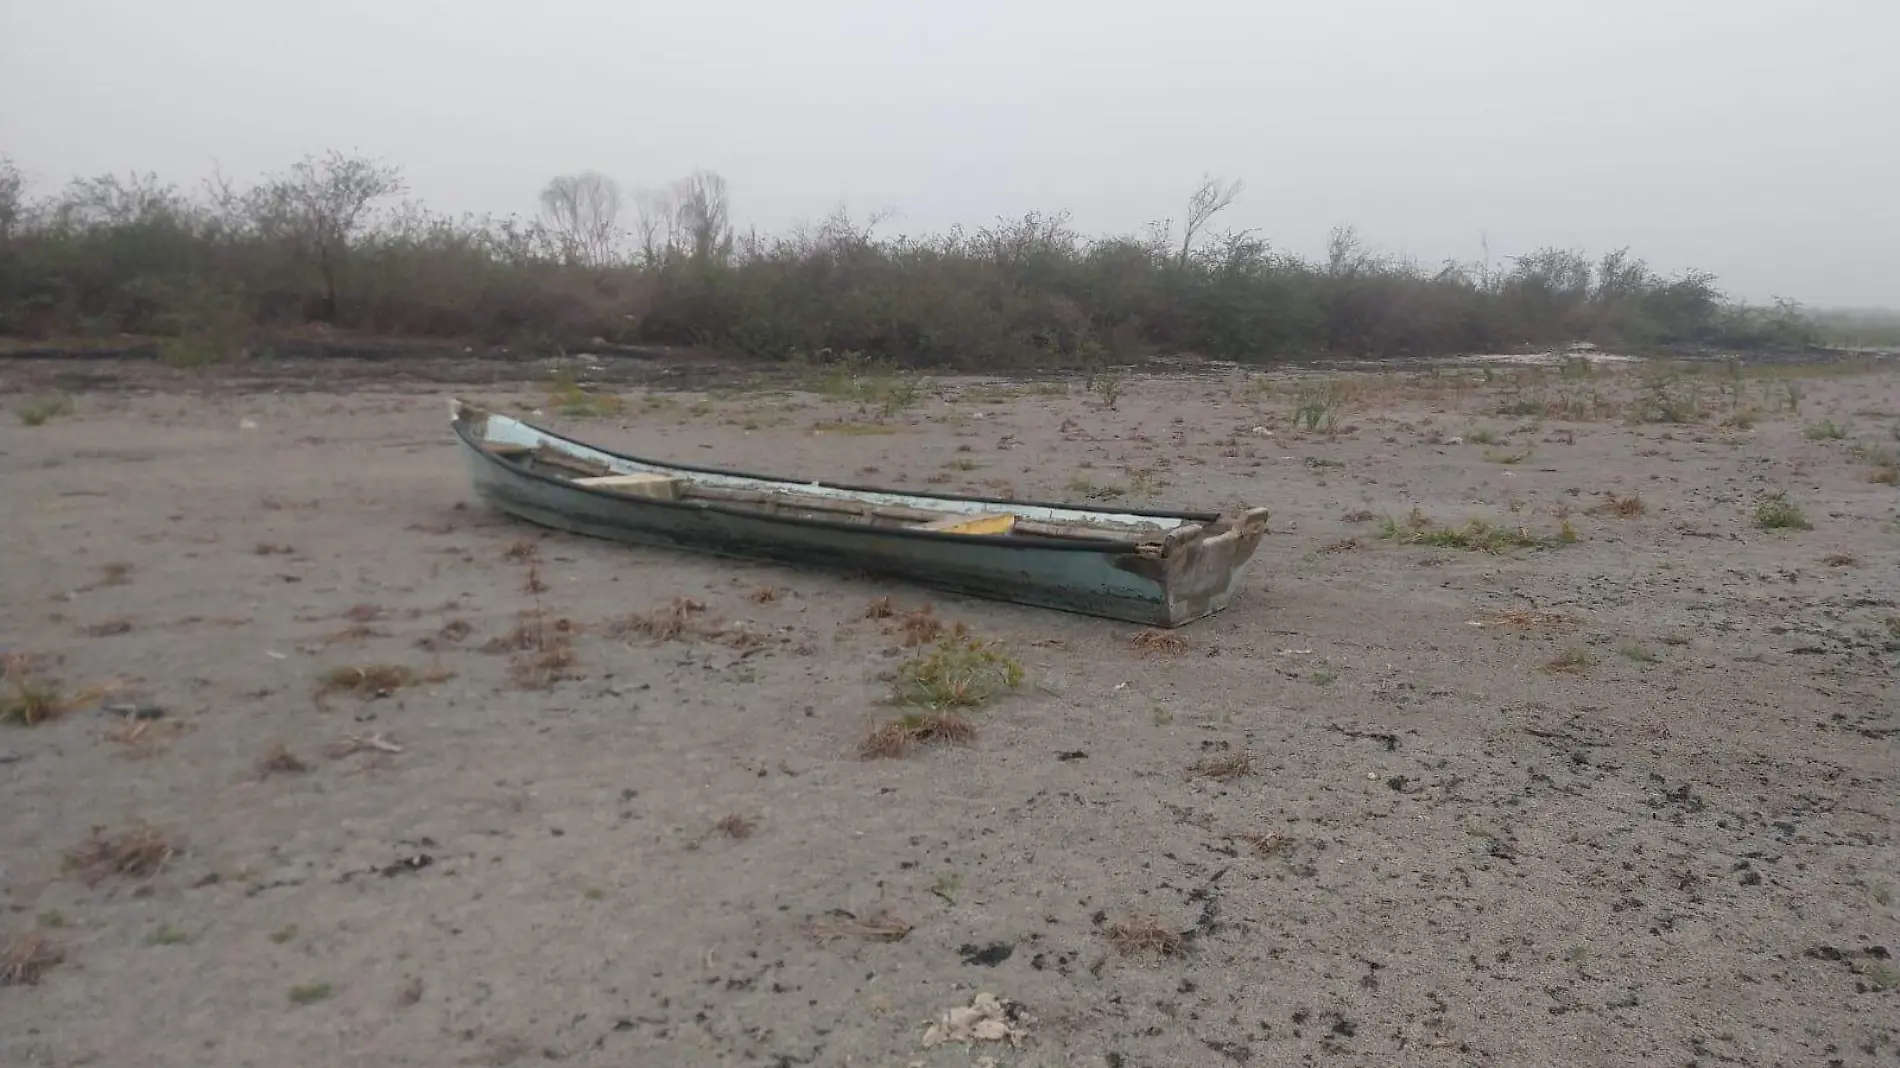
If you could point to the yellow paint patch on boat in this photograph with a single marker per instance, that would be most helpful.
(991, 523)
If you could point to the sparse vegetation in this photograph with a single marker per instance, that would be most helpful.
(42, 410)
(310, 993)
(736, 827)
(1779, 513)
(1571, 662)
(959, 671)
(139, 852)
(1476, 535)
(1145, 936)
(1627, 507)
(368, 681)
(1158, 643)
(27, 698)
(898, 737)
(1235, 765)
(26, 959)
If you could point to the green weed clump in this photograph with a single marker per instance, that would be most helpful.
(1779, 513)
(1475, 536)
(42, 410)
(959, 671)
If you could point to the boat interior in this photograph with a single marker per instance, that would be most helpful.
(533, 451)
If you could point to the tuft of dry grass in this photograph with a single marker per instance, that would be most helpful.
(1571, 662)
(145, 737)
(1158, 643)
(1622, 507)
(920, 627)
(667, 624)
(880, 608)
(266, 548)
(138, 853)
(736, 827)
(352, 744)
(1268, 846)
(1145, 936)
(28, 698)
(523, 550)
(24, 960)
(1521, 617)
(541, 668)
(279, 760)
(1841, 560)
(107, 629)
(367, 681)
(1225, 767)
(877, 927)
(764, 595)
(531, 583)
(897, 738)
(352, 634)
(363, 613)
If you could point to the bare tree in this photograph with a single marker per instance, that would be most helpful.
(1209, 200)
(318, 206)
(583, 212)
(703, 211)
(654, 221)
(1346, 254)
(12, 197)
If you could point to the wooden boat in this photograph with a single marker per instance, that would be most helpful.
(1158, 568)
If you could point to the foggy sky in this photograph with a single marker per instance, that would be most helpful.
(1758, 139)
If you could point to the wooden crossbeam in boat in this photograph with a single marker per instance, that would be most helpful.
(646, 484)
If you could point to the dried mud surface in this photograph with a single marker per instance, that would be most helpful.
(1625, 794)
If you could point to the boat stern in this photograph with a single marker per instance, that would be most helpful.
(1201, 575)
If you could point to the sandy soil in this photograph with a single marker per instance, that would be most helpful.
(1624, 799)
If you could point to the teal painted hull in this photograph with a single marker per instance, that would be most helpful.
(1169, 568)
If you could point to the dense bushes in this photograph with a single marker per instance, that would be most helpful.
(317, 244)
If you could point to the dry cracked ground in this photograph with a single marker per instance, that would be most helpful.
(1555, 724)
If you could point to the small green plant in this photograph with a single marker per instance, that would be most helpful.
(1880, 976)
(1316, 405)
(41, 410)
(1825, 430)
(1094, 492)
(566, 396)
(310, 993)
(1485, 436)
(947, 886)
(1571, 662)
(284, 934)
(1109, 384)
(167, 935)
(1639, 654)
(958, 672)
(1779, 513)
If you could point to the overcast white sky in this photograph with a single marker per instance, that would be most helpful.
(1759, 139)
